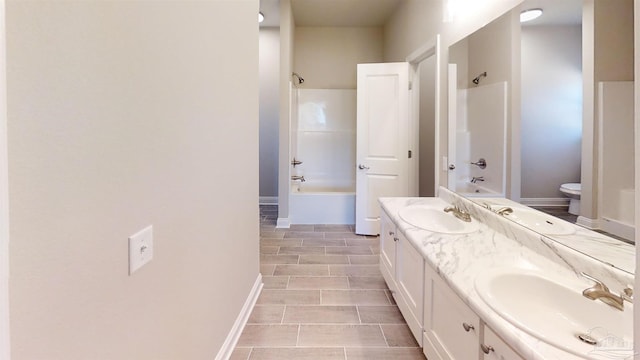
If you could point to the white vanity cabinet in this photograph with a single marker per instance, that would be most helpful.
(451, 328)
(452, 331)
(410, 281)
(388, 251)
(402, 267)
(494, 348)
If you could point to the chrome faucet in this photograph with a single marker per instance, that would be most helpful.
(476, 179)
(601, 292)
(296, 177)
(504, 211)
(459, 213)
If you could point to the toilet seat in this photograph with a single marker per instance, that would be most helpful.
(571, 188)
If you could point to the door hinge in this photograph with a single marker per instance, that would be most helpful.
(409, 154)
(410, 85)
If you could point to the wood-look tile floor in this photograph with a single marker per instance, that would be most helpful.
(323, 298)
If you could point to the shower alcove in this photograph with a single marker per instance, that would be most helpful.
(323, 138)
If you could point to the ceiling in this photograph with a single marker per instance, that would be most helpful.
(360, 13)
(555, 12)
(356, 13)
(333, 13)
(271, 11)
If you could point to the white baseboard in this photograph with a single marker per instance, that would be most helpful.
(592, 224)
(232, 339)
(545, 201)
(268, 200)
(283, 223)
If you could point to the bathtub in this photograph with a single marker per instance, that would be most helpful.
(311, 203)
(468, 189)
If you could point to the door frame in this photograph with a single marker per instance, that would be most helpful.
(425, 51)
(4, 196)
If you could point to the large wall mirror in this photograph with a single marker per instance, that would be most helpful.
(518, 98)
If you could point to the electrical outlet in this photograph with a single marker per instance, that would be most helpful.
(140, 248)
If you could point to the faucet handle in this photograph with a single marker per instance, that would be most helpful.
(627, 294)
(599, 284)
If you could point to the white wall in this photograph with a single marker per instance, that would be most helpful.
(269, 110)
(326, 57)
(121, 115)
(551, 109)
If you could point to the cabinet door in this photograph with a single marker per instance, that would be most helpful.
(452, 329)
(410, 280)
(388, 241)
(495, 348)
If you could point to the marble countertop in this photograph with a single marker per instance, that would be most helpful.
(612, 251)
(459, 258)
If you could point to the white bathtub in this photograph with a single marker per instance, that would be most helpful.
(318, 204)
(468, 189)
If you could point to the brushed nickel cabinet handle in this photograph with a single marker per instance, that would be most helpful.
(486, 349)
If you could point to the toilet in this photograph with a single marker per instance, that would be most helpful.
(572, 191)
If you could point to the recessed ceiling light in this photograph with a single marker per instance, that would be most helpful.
(530, 14)
(260, 17)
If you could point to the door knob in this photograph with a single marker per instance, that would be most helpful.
(362, 167)
(452, 167)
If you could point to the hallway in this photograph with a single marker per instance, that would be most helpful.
(323, 298)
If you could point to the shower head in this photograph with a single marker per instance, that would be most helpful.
(477, 78)
(300, 79)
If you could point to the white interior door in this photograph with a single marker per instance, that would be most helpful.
(382, 153)
(452, 128)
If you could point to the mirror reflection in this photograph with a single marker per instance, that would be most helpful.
(529, 107)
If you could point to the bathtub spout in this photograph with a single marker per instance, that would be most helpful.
(296, 177)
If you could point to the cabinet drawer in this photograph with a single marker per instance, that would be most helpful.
(410, 282)
(388, 248)
(498, 349)
(452, 328)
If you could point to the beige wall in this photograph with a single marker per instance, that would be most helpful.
(327, 57)
(614, 40)
(121, 115)
(607, 55)
(413, 24)
(418, 21)
(636, 89)
(490, 52)
(287, 35)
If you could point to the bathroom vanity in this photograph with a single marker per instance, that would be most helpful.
(491, 289)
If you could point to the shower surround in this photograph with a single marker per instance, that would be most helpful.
(323, 138)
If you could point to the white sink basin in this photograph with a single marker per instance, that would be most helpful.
(558, 313)
(435, 219)
(538, 221)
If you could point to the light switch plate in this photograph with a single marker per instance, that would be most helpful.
(140, 248)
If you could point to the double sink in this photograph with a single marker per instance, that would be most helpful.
(549, 307)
